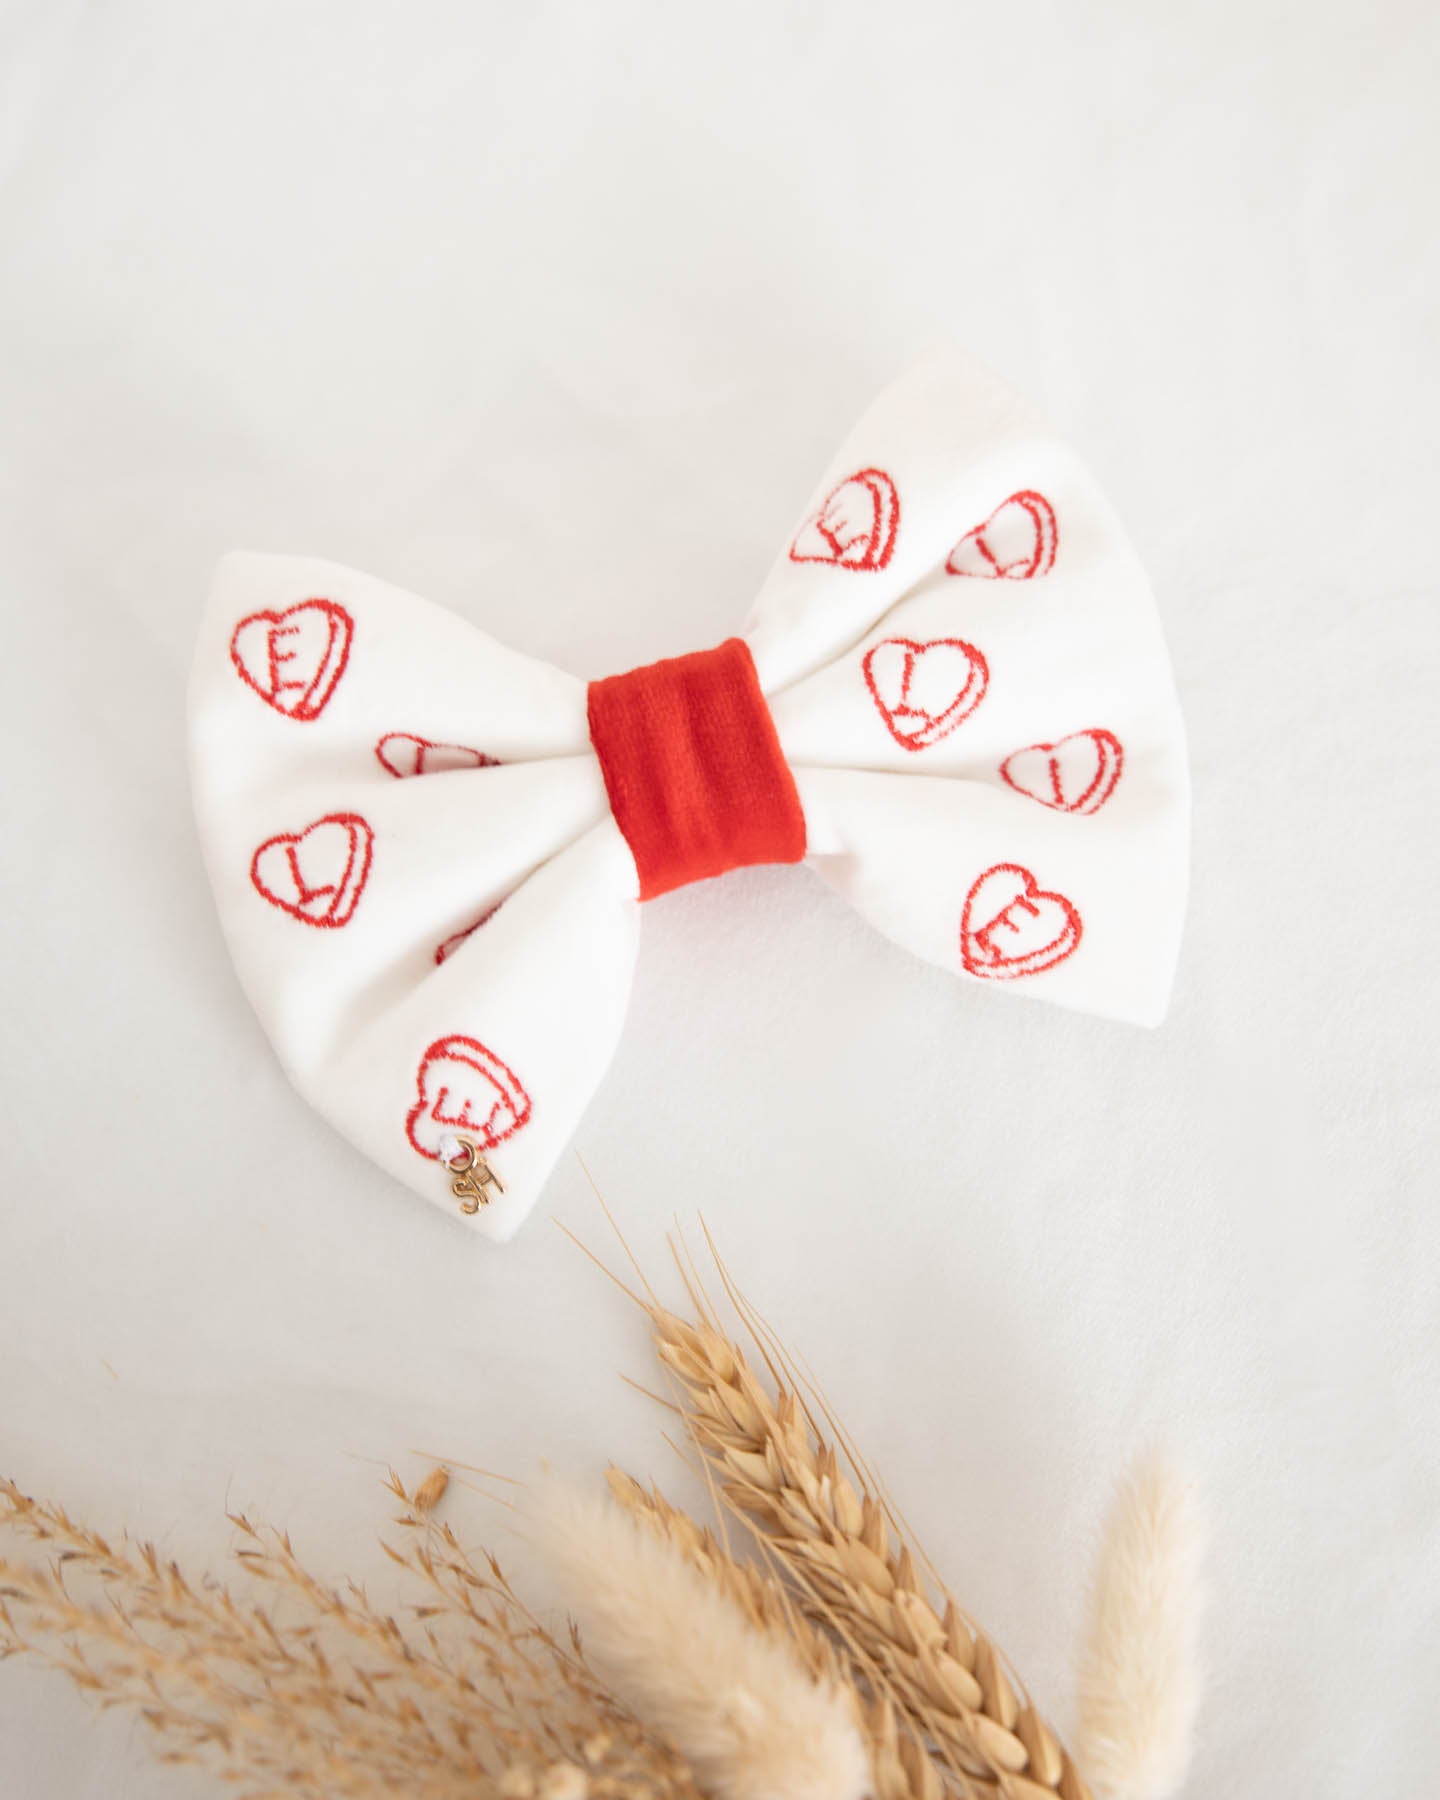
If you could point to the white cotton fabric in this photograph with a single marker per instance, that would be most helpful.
(966, 670)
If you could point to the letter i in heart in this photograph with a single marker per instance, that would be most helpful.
(1016, 543)
(402, 754)
(1077, 774)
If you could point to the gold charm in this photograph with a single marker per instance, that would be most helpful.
(475, 1181)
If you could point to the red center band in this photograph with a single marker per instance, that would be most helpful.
(693, 768)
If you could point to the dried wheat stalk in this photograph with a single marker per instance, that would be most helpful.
(848, 1560)
(902, 1770)
(322, 1692)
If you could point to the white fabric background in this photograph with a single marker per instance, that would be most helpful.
(555, 314)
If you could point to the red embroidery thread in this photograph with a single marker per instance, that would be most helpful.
(1076, 774)
(294, 659)
(924, 690)
(1016, 543)
(854, 526)
(451, 1099)
(457, 938)
(402, 753)
(1012, 927)
(287, 870)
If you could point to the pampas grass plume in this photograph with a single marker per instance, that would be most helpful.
(1139, 1679)
(750, 1719)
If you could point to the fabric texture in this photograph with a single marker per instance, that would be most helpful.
(952, 697)
(697, 781)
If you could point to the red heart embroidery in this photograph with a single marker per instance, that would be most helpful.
(457, 938)
(293, 660)
(464, 1087)
(855, 525)
(316, 875)
(1016, 543)
(402, 753)
(1012, 927)
(1077, 774)
(923, 691)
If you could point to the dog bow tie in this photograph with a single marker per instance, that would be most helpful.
(951, 698)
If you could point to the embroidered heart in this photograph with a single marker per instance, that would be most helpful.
(1017, 542)
(464, 1087)
(1012, 927)
(1077, 774)
(316, 875)
(293, 660)
(923, 691)
(457, 938)
(402, 753)
(855, 525)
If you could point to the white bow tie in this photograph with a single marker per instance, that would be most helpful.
(952, 698)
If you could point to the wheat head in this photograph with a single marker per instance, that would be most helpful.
(848, 1562)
